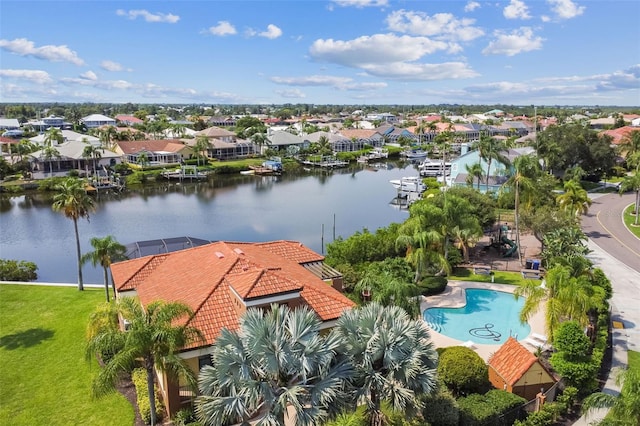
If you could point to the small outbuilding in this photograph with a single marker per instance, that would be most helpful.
(515, 369)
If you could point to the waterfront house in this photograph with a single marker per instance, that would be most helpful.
(224, 144)
(157, 152)
(67, 136)
(283, 140)
(68, 156)
(97, 120)
(515, 369)
(220, 281)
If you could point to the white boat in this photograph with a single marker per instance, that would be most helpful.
(373, 155)
(414, 154)
(431, 167)
(408, 184)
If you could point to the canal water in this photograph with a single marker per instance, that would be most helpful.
(313, 208)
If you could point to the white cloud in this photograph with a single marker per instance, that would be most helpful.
(89, 75)
(441, 25)
(24, 47)
(104, 84)
(291, 93)
(421, 72)
(375, 49)
(34, 76)
(223, 28)
(361, 3)
(111, 66)
(471, 6)
(516, 9)
(168, 18)
(342, 83)
(628, 79)
(271, 32)
(566, 9)
(520, 40)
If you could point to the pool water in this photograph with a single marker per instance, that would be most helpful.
(489, 317)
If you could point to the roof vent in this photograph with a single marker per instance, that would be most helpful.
(238, 251)
(220, 255)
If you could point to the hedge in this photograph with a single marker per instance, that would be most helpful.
(139, 379)
(496, 407)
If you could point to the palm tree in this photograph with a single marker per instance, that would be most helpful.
(566, 297)
(154, 335)
(464, 239)
(474, 172)
(92, 152)
(201, 147)
(143, 159)
(260, 139)
(630, 144)
(105, 251)
(72, 200)
(625, 407)
(527, 170)
(575, 199)
(107, 136)
(276, 362)
(632, 183)
(50, 153)
(491, 149)
(53, 136)
(393, 357)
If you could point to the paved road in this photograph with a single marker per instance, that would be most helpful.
(603, 224)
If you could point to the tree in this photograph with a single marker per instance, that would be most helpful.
(53, 136)
(72, 200)
(260, 140)
(277, 360)
(632, 183)
(490, 149)
(107, 136)
(625, 407)
(393, 357)
(575, 199)
(143, 159)
(105, 251)
(474, 172)
(93, 153)
(201, 147)
(463, 371)
(630, 144)
(50, 153)
(154, 335)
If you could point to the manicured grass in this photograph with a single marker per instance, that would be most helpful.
(499, 277)
(44, 378)
(629, 221)
(634, 360)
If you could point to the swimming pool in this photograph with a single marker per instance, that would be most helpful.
(489, 317)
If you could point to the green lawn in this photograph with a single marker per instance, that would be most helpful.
(629, 221)
(44, 378)
(499, 277)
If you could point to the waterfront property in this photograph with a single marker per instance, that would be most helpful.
(220, 281)
(154, 152)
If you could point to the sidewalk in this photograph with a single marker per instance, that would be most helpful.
(625, 308)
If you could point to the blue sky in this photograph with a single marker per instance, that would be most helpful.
(522, 52)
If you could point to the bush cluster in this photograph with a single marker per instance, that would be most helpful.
(17, 270)
(432, 285)
(463, 371)
(494, 407)
(139, 379)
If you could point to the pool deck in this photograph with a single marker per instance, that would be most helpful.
(454, 297)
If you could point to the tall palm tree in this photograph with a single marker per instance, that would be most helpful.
(201, 147)
(393, 357)
(72, 200)
(575, 199)
(490, 149)
(260, 139)
(630, 144)
(105, 251)
(625, 407)
(50, 153)
(522, 181)
(53, 136)
(93, 153)
(154, 335)
(277, 362)
(107, 136)
(474, 172)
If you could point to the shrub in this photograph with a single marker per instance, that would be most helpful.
(139, 379)
(484, 409)
(463, 371)
(17, 270)
(571, 341)
(185, 417)
(440, 409)
(432, 285)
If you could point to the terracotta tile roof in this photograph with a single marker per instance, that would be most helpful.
(202, 277)
(215, 132)
(128, 119)
(512, 361)
(9, 140)
(617, 135)
(167, 145)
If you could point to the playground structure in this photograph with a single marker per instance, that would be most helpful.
(500, 241)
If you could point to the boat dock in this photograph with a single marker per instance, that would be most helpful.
(325, 162)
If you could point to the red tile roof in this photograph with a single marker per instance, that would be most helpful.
(512, 361)
(617, 135)
(202, 278)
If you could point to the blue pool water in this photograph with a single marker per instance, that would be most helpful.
(489, 317)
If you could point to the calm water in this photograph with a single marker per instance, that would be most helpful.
(489, 317)
(240, 208)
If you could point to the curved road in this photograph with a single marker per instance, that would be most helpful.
(603, 224)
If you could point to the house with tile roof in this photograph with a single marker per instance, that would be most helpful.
(515, 369)
(220, 281)
(128, 120)
(96, 120)
(162, 151)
